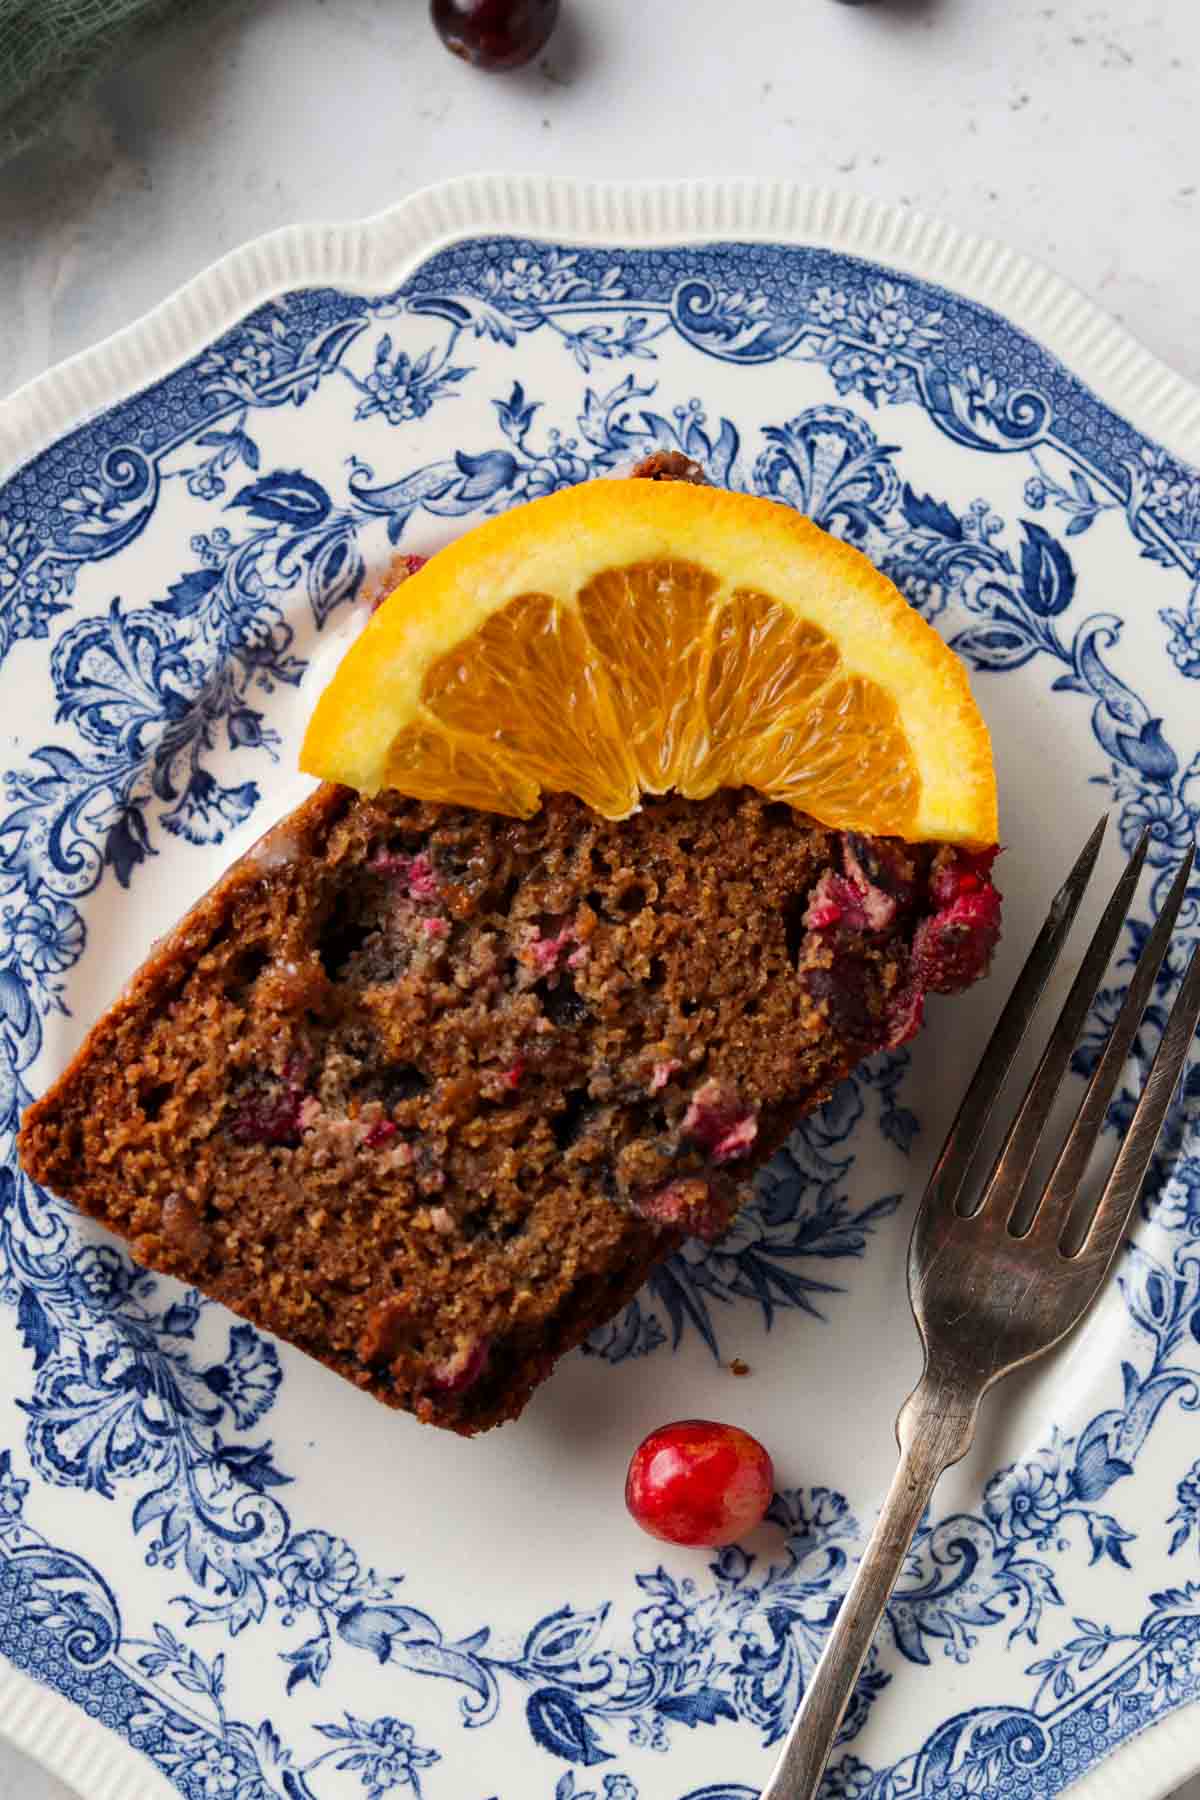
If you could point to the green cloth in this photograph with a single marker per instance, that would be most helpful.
(49, 49)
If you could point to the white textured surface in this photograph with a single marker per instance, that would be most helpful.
(987, 114)
(300, 109)
(22, 1780)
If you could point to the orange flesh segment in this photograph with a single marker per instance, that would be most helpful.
(431, 763)
(653, 683)
(528, 681)
(764, 667)
(845, 761)
(648, 624)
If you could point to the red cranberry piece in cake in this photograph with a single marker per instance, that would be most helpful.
(413, 1167)
(953, 947)
(687, 1204)
(455, 1373)
(269, 1113)
(722, 1125)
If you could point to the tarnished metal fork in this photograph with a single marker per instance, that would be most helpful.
(996, 1281)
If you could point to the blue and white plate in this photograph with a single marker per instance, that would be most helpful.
(224, 1572)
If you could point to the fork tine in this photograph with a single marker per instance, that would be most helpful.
(1097, 1236)
(1010, 1171)
(970, 1121)
(1073, 1158)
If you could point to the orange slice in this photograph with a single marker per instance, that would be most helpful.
(630, 637)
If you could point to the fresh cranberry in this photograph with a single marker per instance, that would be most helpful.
(495, 34)
(699, 1482)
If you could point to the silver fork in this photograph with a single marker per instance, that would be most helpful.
(997, 1283)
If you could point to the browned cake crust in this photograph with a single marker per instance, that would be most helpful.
(429, 1092)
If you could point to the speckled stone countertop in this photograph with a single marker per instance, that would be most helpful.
(1065, 127)
(311, 109)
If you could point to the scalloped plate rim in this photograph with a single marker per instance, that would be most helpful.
(375, 254)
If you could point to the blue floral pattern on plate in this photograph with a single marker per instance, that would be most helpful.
(165, 574)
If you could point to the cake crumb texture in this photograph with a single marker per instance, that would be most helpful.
(429, 1092)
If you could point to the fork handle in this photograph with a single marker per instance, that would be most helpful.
(934, 1430)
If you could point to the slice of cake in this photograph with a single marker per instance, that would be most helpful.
(428, 1092)
(428, 1088)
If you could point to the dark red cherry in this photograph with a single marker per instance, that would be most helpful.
(495, 34)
